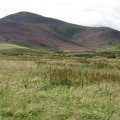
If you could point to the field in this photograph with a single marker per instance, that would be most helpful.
(59, 86)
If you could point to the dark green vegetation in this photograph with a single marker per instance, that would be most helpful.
(40, 85)
(36, 31)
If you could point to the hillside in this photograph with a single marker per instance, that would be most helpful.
(37, 31)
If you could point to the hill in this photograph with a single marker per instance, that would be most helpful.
(35, 31)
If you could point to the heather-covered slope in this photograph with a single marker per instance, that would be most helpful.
(36, 31)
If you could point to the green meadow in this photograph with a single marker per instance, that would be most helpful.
(37, 85)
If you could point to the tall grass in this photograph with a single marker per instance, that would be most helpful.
(43, 88)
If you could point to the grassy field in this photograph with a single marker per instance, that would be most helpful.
(59, 86)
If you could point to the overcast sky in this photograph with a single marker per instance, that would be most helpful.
(82, 12)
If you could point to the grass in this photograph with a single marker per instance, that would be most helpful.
(59, 86)
(111, 49)
(4, 46)
(9, 49)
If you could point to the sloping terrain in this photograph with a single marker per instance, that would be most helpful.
(8, 49)
(36, 31)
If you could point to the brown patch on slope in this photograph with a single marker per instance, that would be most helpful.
(97, 37)
(22, 33)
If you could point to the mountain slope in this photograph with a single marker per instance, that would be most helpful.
(36, 31)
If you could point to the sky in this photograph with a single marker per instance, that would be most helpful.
(95, 13)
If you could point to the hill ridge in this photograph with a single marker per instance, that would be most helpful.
(33, 30)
